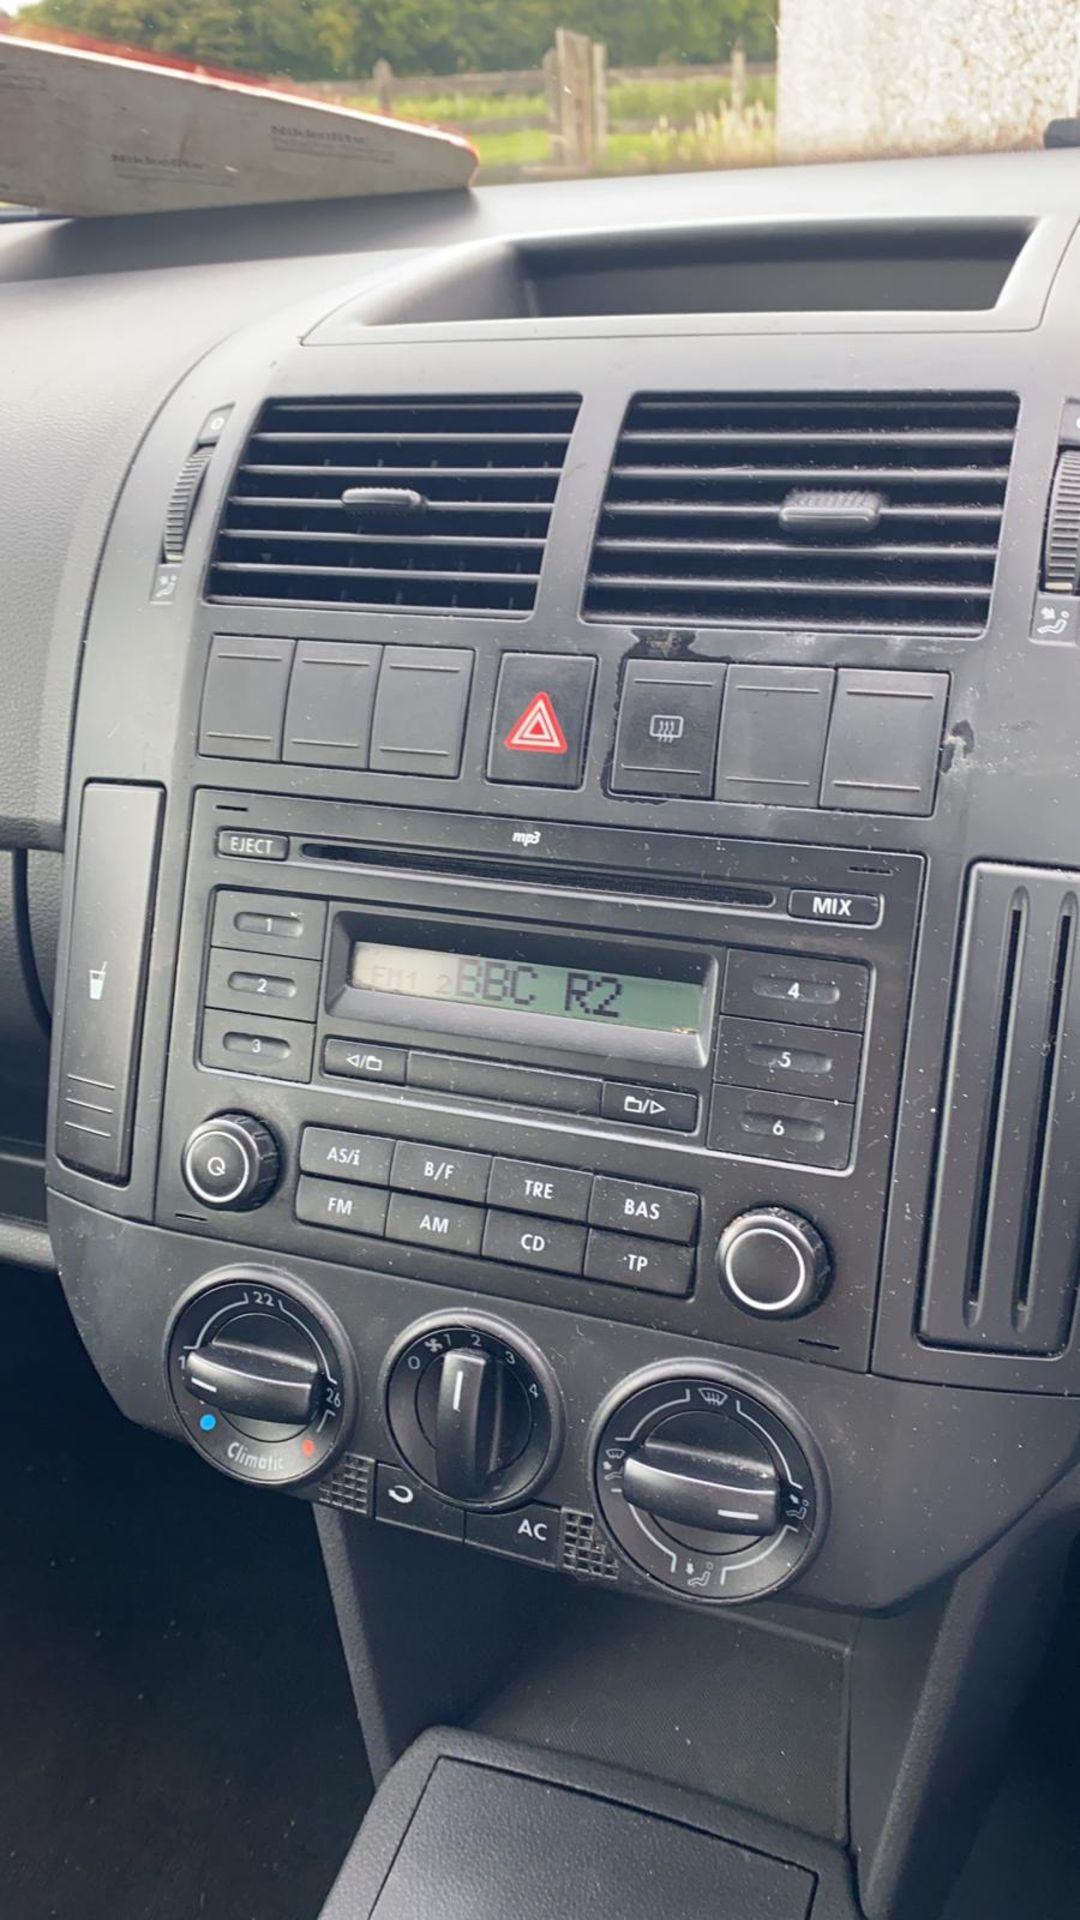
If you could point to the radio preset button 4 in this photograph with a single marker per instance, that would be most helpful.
(812, 993)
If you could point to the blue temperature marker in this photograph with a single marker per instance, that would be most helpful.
(208, 1422)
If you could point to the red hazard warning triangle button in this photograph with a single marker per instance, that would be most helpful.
(541, 719)
(537, 730)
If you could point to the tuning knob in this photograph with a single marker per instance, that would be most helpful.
(232, 1162)
(475, 1411)
(773, 1263)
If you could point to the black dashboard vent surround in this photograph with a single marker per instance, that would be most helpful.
(877, 512)
(1003, 1249)
(415, 505)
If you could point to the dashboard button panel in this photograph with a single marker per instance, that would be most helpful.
(421, 704)
(772, 738)
(539, 727)
(669, 719)
(243, 708)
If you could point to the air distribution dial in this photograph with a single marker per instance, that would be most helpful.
(706, 1484)
(262, 1378)
(474, 1410)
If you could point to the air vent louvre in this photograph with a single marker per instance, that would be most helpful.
(487, 469)
(1003, 1250)
(691, 528)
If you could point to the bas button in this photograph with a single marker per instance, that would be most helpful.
(529, 1533)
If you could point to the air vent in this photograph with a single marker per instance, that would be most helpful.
(878, 512)
(1003, 1250)
(448, 508)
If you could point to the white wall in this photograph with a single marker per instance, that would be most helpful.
(894, 76)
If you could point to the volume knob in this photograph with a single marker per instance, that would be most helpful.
(231, 1162)
(773, 1263)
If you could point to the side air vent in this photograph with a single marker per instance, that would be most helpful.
(877, 512)
(1003, 1250)
(417, 505)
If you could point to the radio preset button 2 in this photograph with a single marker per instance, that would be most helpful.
(631, 1206)
(441, 1170)
(521, 1241)
(524, 1186)
(621, 1261)
(650, 1107)
(355, 1060)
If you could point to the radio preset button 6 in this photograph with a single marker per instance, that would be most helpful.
(621, 1261)
(434, 1223)
(525, 1186)
(631, 1206)
(650, 1107)
(811, 993)
(332, 1152)
(354, 1060)
(460, 1176)
(778, 1126)
(774, 1056)
(521, 1241)
(333, 1203)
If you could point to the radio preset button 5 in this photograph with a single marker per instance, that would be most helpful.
(631, 1206)
(774, 1056)
(333, 1152)
(333, 1203)
(355, 1060)
(621, 1261)
(521, 1241)
(525, 1186)
(434, 1223)
(650, 1107)
(441, 1170)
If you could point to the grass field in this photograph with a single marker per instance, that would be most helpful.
(679, 124)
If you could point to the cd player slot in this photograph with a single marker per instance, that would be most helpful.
(718, 893)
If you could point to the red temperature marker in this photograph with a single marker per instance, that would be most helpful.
(538, 730)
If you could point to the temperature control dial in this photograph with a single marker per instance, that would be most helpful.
(262, 1378)
(706, 1485)
(475, 1411)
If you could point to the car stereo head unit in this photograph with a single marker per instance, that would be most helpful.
(666, 1107)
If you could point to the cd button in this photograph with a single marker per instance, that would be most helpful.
(524, 1242)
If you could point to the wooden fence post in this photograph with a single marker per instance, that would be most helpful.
(574, 83)
(383, 75)
(550, 66)
(599, 98)
(738, 77)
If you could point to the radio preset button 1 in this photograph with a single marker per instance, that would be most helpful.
(621, 1261)
(776, 1057)
(812, 993)
(340, 1155)
(270, 923)
(524, 1186)
(434, 1223)
(353, 1060)
(521, 1241)
(441, 1170)
(650, 1107)
(631, 1206)
(235, 844)
(334, 1203)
